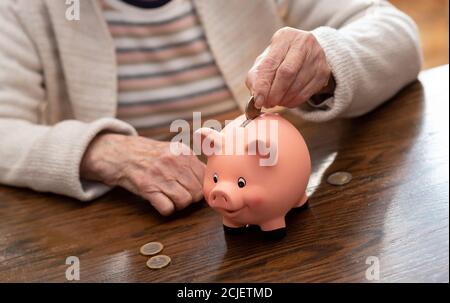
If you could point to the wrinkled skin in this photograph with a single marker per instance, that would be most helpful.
(290, 70)
(147, 168)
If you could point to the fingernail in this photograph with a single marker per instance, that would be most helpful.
(259, 101)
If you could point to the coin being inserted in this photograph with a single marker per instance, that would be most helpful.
(151, 248)
(339, 178)
(159, 261)
(251, 112)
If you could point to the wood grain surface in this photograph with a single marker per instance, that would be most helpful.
(395, 208)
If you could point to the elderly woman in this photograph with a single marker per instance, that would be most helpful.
(82, 102)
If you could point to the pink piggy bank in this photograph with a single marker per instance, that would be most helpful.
(256, 173)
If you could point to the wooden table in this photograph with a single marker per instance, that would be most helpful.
(394, 209)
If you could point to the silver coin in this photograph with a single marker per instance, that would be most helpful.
(151, 248)
(158, 261)
(339, 178)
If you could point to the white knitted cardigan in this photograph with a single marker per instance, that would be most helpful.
(58, 81)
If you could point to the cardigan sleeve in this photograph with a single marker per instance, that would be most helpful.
(373, 50)
(40, 157)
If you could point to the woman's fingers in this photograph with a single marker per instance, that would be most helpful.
(293, 59)
(160, 202)
(198, 168)
(148, 168)
(313, 76)
(177, 194)
(190, 182)
(305, 93)
(319, 82)
(190, 160)
(188, 170)
(262, 74)
(303, 78)
(286, 74)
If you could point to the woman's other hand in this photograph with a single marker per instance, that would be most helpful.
(147, 168)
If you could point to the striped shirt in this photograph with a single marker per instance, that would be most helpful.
(165, 69)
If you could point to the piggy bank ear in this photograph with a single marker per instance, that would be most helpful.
(208, 141)
(266, 151)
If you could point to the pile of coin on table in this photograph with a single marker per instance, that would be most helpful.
(156, 261)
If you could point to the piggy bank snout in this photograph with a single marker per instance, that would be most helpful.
(219, 198)
(222, 196)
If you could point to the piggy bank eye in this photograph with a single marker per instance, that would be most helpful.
(241, 182)
(215, 178)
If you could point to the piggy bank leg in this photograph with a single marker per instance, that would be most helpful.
(274, 224)
(231, 227)
(302, 204)
(274, 229)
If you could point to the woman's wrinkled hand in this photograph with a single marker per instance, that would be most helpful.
(290, 71)
(147, 168)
